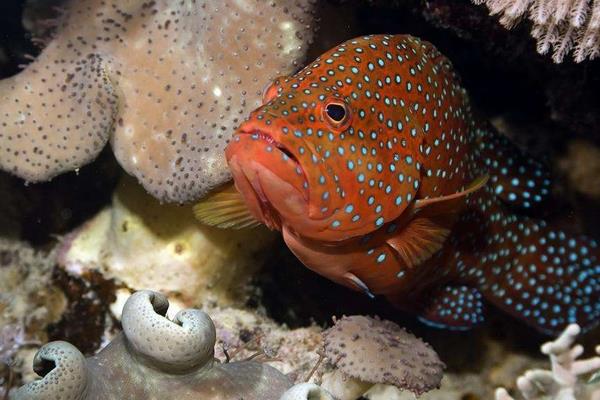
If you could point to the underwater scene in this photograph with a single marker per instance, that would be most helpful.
(300, 199)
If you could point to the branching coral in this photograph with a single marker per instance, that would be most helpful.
(559, 25)
(154, 358)
(562, 381)
(165, 80)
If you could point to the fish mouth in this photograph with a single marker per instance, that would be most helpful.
(266, 137)
(282, 148)
(256, 199)
(261, 182)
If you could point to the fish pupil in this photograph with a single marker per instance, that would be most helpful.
(336, 112)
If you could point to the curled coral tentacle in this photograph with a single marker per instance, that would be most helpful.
(184, 344)
(63, 371)
(307, 391)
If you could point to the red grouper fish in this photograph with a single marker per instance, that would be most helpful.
(370, 163)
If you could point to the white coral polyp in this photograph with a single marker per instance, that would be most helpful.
(563, 26)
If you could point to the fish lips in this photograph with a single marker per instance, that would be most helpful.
(268, 176)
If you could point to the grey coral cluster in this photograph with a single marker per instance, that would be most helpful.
(154, 358)
(558, 25)
(165, 81)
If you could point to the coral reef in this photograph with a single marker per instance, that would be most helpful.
(378, 351)
(12, 337)
(455, 386)
(28, 303)
(143, 244)
(165, 81)
(12, 340)
(562, 381)
(154, 358)
(240, 333)
(247, 332)
(557, 25)
(89, 295)
(306, 391)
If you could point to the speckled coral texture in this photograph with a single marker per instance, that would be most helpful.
(165, 81)
(380, 351)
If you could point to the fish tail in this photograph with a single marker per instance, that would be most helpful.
(545, 275)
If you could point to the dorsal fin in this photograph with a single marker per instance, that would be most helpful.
(474, 186)
(225, 208)
(427, 226)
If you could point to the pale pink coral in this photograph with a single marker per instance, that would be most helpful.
(563, 381)
(558, 25)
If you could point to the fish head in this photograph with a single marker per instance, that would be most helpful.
(284, 162)
(302, 160)
(328, 155)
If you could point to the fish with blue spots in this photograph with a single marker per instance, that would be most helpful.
(371, 164)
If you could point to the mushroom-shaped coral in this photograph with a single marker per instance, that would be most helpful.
(378, 351)
(154, 358)
(165, 80)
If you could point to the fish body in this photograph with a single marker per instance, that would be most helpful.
(371, 164)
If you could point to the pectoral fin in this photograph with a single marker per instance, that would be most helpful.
(418, 241)
(225, 208)
(428, 224)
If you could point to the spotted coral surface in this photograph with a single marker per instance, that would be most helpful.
(379, 351)
(165, 81)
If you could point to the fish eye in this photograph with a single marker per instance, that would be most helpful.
(336, 112)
